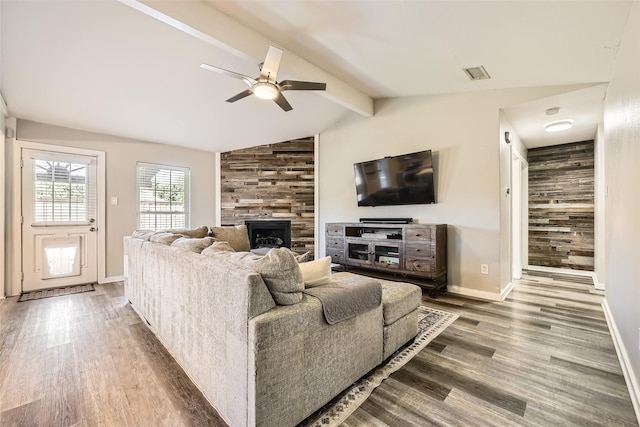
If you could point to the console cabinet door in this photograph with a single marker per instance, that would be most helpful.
(387, 255)
(357, 252)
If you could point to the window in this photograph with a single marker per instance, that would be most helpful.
(163, 197)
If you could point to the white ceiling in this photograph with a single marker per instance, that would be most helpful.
(131, 68)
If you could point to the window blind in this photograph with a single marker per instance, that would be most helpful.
(163, 197)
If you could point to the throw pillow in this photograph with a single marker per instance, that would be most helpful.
(216, 247)
(164, 238)
(237, 236)
(194, 245)
(195, 233)
(316, 273)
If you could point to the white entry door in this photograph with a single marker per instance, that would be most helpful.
(59, 227)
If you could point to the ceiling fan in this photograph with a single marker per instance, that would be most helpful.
(265, 86)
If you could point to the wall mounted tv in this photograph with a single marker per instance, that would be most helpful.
(400, 180)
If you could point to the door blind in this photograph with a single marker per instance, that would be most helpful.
(63, 192)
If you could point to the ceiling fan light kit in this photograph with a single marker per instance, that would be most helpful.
(265, 86)
(265, 90)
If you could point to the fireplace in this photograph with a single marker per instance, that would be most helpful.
(269, 233)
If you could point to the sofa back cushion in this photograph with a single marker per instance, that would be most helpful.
(278, 268)
(193, 233)
(143, 234)
(194, 245)
(217, 246)
(165, 238)
(237, 236)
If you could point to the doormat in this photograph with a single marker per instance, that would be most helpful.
(57, 292)
(431, 322)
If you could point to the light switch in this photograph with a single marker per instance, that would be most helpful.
(114, 200)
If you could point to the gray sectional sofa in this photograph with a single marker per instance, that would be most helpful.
(258, 362)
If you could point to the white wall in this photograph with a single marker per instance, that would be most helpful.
(121, 158)
(463, 130)
(622, 154)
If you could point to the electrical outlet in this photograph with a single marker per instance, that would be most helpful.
(484, 268)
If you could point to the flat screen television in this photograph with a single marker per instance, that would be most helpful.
(400, 180)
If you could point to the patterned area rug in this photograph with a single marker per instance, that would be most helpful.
(57, 292)
(431, 322)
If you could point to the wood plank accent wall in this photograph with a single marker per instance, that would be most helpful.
(561, 206)
(274, 181)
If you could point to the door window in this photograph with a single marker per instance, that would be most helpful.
(62, 192)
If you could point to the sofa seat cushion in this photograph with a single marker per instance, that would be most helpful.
(342, 301)
(237, 236)
(398, 298)
(278, 268)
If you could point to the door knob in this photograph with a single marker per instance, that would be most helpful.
(92, 220)
(92, 229)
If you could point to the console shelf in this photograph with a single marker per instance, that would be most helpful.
(416, 250)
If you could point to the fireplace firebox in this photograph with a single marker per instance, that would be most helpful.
(269, 233)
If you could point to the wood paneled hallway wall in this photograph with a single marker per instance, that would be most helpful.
(562, 206)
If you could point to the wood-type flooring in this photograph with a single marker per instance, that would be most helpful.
(543, 357)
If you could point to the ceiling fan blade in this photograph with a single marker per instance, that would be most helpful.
(240, 96)
(283, 103)
(269, 69)
(296, 85)
(248, 80)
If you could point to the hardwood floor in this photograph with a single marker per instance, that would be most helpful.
(88, 360)
(543, 357)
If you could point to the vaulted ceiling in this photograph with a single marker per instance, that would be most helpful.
(131, 68)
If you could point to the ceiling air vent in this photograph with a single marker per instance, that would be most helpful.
(477, 73)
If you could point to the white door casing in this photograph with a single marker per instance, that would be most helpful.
(519, 214)
(59, 213)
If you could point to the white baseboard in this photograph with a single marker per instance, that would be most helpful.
(506, 291)
(598, 285)
(474, 293)
(111, 279)
(623, 356)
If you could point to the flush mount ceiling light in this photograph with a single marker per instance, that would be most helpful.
(558, 126)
